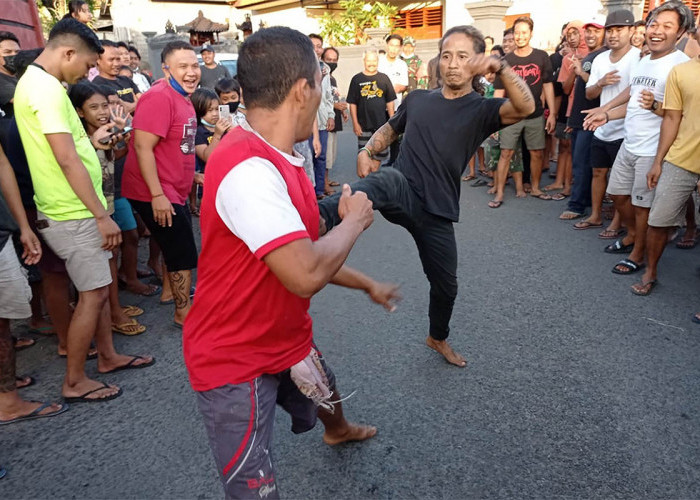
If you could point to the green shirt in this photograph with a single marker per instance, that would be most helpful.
(42, 107)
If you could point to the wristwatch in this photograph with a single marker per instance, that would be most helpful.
(655, 105)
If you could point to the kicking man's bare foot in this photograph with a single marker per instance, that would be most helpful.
(352, 432)
(446, 350)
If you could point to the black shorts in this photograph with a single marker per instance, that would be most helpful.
(603, 153)
(177, 241)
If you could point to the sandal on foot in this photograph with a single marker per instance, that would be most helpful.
(334, 183)
(570, 215)
(687, 244)
(628, 267)
(468, 178)
(495, 204)
(541, 196)
(132, 311)
(478, 183)
(611, 234)
(27, 343)
(129, 329)
(619, 247)
(584, 224)
(644, 288)
(85, 399)
(131, 366)
(37, 413)
(559, 196)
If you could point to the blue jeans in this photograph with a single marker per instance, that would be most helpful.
(583, 173)
(320, 162)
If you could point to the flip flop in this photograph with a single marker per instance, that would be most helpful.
(696, 318)
(131, 366)
(37, 413)
(629, 266)
(619, 247)
(584, 224)
(570, 215)
(43, 330)
(541, 196)
(152, 290)
(84, 398)
(334, 183)
(132, 311)
(646, 288)
(478, 183)
(3, 472)
(611, 234)
(16, 340)
(495, 204)
(129, 329)
(468, 178)
(559, 196)
(684, 244)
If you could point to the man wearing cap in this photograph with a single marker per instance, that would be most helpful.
(212, 71)
(414, 63)
(610, 75)
(594, 36)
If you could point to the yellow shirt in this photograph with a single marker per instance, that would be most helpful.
(42, 107)
(682, 94)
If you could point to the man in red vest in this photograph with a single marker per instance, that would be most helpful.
(248, 338)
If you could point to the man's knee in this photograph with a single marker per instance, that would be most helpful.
(506, 155)
(95, 297)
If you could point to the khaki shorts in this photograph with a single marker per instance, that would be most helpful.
(532, 131)
(79, 244)
(15, 293)
(628, 177)
(672, 192)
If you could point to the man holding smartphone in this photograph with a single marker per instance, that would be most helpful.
(160, 169)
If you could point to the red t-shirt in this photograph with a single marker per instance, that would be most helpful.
(170, 116)
(244, 322)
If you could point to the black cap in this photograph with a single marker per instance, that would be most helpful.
(622, 17)
(206, 47)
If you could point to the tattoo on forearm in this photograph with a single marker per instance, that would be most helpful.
(8, 382)
(513, 82)
(181, 289)
(382, 138)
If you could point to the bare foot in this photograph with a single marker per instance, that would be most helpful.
(446, 350)
(553, 187)
(491, 191)
(63, 352)
(353, 432)
(87, 385)
(139, 288)
(41, 326)
(520, 193)
(105, 365)
(527, 187)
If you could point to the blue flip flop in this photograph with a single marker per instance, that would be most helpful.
(37, 413)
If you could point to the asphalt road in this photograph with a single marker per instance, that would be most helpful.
(575, 388)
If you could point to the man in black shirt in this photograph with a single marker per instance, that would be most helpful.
(330, 57)
(594, 35)
(442, 129)
(9, 46)
(371, 97)
(533, 66)
(108, 64)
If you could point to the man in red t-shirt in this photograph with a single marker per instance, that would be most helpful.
(159, 170)
(248, 338)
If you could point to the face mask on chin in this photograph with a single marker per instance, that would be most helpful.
(332, 66)
(9, 64)
(233, 106)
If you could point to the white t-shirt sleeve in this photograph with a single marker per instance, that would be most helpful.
(596, 71)
(403, 77)
(253, 202)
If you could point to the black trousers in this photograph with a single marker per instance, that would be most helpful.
(434, 236)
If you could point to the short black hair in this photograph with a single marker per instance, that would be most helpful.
(526, 20)
(316, 36)
(395, 36)
(108, 43)
(330, 48)
(24, 58)
(509, 31)
(498, 49)
(75, 6)
(471, 32)
(226, 85)
(126, 68)
(7, 35)
(271, 61)
(201, 99)
(82, 91)
(639, 23)
(172, 47)
(71, 28)
(135, 51)
(122, 45)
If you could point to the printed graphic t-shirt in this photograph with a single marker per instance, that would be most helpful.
(125, 88)
(371, 95)
(169, 115)
(536, 70)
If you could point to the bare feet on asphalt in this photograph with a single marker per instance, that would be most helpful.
(446, 350)
(353, 432)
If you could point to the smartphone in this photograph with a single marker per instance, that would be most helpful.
(225, 112)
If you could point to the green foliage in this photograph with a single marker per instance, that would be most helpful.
(50, 12)
(347, 27)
